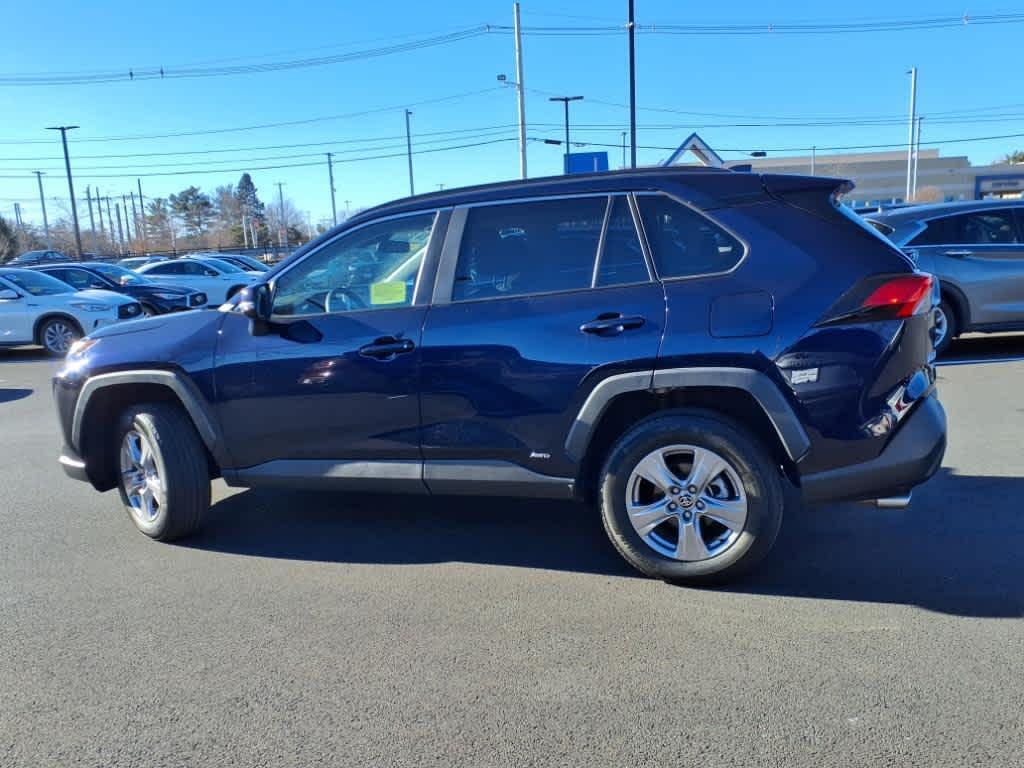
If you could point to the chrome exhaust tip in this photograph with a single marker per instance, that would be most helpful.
(893, 502)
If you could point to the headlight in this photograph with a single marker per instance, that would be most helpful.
(80, 346)
(91, 307)
(167, 296)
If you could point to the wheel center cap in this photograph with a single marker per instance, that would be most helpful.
(686, 500)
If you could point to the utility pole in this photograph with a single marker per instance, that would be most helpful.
(71, 187)
(42, 202)
(245, 232)
(282, 232)
(92, 222)
(120, 232)
(330, 176)
(142, 210)
(565, 101)
(17, 218)
(913, 122)
(127, 227)
(520, 90)
(99, 210)
(632, 86)
(917, 157)
(814, 158)
(623, 149)
(408, 151)
(135, 217)
(110, 223)
(347, 203)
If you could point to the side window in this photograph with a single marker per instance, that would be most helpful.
(77, 278)
(165, 269)
(193, 269)
(683, 242)
(517, 249)
(622, 258)
(373, 267)
(936, 232)
(986, 228)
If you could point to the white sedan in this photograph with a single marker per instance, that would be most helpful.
(38, 309)
(217, 279)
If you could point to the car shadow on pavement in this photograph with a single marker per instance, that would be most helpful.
(958, 549)
(401, 529)
(9, 395)
(25, 355)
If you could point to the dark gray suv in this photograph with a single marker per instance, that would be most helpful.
(976, 249)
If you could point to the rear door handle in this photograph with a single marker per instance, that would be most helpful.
(612, 324)
(959, 253)
(387, 348)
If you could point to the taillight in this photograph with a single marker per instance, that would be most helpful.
(883, 297)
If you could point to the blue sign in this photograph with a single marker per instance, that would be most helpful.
(586, 162)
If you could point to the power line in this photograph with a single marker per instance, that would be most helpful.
(174, 73)
(243, 169)
(778, 28)
(287, 123)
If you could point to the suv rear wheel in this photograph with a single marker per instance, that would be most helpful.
(691, 498)
(164, 478)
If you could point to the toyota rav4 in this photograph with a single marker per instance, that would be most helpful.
(678, 348)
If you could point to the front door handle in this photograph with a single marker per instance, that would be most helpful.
(612, 324)
(959, 253)
(387, 348)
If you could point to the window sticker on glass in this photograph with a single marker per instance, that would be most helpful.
(387, 293)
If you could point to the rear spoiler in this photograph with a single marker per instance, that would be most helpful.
(818, 195)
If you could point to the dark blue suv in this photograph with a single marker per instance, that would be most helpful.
(676, 347)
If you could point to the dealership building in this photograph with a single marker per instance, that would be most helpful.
(881, 177)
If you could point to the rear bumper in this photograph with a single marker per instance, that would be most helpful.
(912, 456)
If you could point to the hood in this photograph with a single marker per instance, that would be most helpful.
(173, 328)
(107, 297)
(177, 290)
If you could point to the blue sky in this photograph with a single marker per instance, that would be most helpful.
(706, 83)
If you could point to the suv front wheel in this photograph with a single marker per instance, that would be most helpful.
(164, 475)
(689, 497)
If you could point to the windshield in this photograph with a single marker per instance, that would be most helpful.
(37, 284)
(120, 274)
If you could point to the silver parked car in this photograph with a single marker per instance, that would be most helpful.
(976, 249)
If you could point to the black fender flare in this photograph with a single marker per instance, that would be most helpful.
(788, 427)
(195, 405)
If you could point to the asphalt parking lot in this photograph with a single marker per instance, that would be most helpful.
(304, 628)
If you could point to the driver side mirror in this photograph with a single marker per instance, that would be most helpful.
(256, 302)
(6, 294)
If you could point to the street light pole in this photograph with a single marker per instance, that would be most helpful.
(565, 101)
(913, 125)
(42, 202)
(92, 222)
(330, 175)
(282, 235)
(71, 187)
(632, 86)
(521, 92)
(408, 151)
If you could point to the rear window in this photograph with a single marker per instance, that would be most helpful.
(683, 242)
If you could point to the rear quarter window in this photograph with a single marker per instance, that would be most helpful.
(685, 243)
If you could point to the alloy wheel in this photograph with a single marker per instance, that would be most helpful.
(686, 502)
(140, 477)
(58, 337)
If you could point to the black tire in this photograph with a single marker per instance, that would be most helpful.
(753, 465)
(181, 462)
(51, 325)
(952, 326)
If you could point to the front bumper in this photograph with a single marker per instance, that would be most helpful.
(912, 456)
(73, 465)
